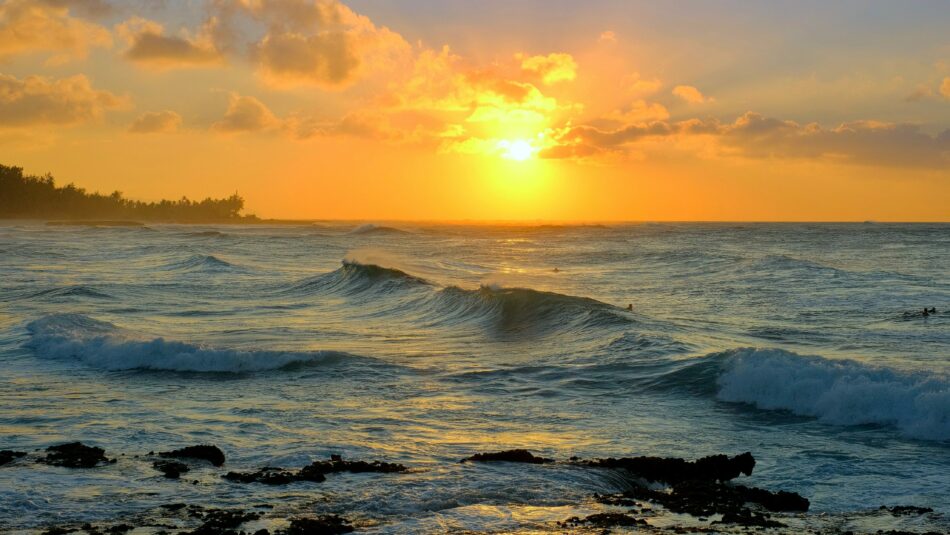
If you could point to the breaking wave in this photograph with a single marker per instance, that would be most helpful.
(369, 229)
(355, 278)
(838, 392)
(201, 263)
(101, 344)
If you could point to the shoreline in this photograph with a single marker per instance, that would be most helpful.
(657, 495)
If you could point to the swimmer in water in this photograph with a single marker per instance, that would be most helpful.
(630, 307)
(925, 313)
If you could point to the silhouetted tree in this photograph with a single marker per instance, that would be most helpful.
(23, 196)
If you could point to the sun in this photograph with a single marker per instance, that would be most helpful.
(517, 149)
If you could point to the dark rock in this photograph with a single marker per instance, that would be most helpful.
(604, 520)
(222, 522)
(322, 525)
(267, 476)
(906, 510)
(511, 456)
(7, 456)
(675, 470)
(74, 455)
(119, 529)
(314, 472)
(171, 469)
(204, 452)
(744, 517)
(773, 501)
(337, 464)
(262, 532)
(58, 531)
(174, 506)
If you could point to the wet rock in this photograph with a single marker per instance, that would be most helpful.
(675, 470)
(171, 469)
(267, 476)
(337, 464)
(74, 455)
(321, 525)
(906, 510)
(314, 472)
(705, 498)
(511, 456)
(7, 456)
(58, 531)
(745, 517)
(222, 522)
(205, 452)
(603, 520)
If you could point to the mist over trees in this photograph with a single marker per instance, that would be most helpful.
(29, 196)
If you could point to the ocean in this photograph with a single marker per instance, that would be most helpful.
(422, 344)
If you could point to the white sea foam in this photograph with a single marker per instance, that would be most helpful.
(840, 392)
(103, 345)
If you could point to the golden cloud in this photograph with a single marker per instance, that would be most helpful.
(246, 114)
(156, 122)
(36, 100)
(29, 26)
(148, 45)
(690, 94)
(553, 68)
(753, 135)
(322, 43)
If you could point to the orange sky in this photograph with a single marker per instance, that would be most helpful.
(491, 110)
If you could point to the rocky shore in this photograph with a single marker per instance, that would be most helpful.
(659, 495)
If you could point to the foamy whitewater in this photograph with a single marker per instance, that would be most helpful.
(423, 344)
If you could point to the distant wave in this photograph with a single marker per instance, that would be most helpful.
(71, 291)
(207, 234)
(201, 263)
(840, 392)
(525, 310)
(103, 345)
(370, 228)
(354, 278)
(504, 310)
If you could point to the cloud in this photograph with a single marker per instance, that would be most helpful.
(921, 93)
(639, 87)
(945, 87)
(91, 8)
(858, 142)
(639, 111)
(156, 122)
(246, 114)
(755, 136)
(690, 94)
(608, 36)
(553, 68)
(30, 26)
(149, 46)
(36, 100)
(322, 43)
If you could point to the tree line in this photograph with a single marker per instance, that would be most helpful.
(30, 196)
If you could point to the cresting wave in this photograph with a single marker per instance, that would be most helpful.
(354, 278)
(103, 345)
(838, 392)
(201, 263)
(504, 310)
(370, 228)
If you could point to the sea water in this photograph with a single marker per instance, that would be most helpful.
(423, 344)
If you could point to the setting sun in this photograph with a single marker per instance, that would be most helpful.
(518, 150)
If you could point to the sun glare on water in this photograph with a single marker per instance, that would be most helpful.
(518, 149)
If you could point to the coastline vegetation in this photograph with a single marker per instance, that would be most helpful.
(38, 197)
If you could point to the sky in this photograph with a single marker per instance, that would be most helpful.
(455, 110)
